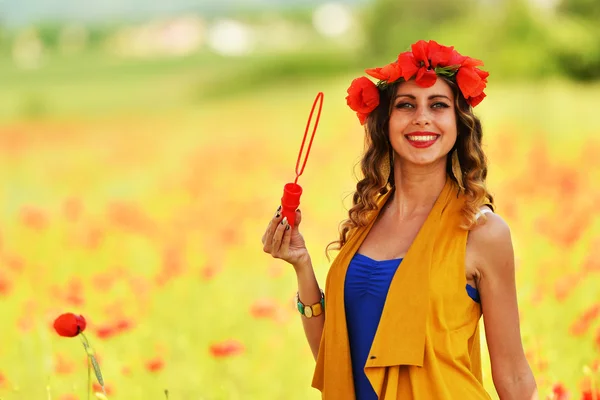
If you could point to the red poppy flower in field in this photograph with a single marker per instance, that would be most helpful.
(263, 308)
(15, 263)
(5, 284)
(69, 324)
(565, 285)
(155, 365)
(226, 348)
(75, 293)
(588, 395)
(560, 392)
(109, 330)
(98, 388)
(275, 270)
(583, 323)
(123, 325)
(104, 281)
(72, 208)
(63, 366)
(208, 272)
(106, 331)
(34, 218)
(92, 237)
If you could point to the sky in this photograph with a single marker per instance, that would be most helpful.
(23, 12)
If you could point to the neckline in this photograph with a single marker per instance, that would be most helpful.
(377, 261)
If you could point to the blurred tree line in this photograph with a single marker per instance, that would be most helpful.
(517, 39)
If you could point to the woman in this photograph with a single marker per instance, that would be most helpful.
(422, 255)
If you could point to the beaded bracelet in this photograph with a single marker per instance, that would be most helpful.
(310, 311)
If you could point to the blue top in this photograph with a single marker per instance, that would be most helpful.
(365, 289)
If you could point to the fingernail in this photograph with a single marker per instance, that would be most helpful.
(298, 210)
(287, 228)
(284, 221)
(279, 208)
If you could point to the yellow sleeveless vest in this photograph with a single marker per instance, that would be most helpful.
(427, 341)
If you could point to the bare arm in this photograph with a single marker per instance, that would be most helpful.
(285, 242)
(511, 373)
(309, 293)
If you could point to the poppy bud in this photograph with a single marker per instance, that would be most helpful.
(69, 324)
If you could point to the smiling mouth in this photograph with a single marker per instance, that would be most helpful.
(422, 138)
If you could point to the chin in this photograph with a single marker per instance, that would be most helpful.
(427, 160)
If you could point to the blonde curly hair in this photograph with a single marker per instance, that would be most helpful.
(466, 164)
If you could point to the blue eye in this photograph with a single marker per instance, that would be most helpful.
(403, 105)
(441, 105)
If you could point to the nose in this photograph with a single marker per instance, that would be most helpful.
(421, 116)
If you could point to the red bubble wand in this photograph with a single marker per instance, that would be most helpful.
(292, 191)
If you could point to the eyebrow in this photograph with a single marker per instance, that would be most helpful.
(433, 96)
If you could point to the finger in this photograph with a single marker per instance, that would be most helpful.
(267, 237)
(285, 242)
(278, 237)
(298, 218)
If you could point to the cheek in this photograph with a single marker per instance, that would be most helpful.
(448, 118)
(449, 125)
(397, 122)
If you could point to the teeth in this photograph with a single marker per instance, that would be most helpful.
(421, 138)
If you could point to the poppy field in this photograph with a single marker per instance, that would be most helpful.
(130, 201)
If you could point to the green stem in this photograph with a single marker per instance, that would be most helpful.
(89, 384)
(49, 395)
(84, 340)
(92, 360)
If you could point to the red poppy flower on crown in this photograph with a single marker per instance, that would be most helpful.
(425, 62)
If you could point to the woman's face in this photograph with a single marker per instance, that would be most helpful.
(422, 125)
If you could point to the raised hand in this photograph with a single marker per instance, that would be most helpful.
(284, 241)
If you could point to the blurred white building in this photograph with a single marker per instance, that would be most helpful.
(168, 37)
(231, 38)
(333, 19)
(28, 49)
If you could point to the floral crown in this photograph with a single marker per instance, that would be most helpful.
(427, 60)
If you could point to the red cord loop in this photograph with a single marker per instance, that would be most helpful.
(319, 97)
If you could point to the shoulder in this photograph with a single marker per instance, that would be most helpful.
(492, 231)
(491, 243)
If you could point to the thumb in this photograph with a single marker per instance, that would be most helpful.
(298, 217)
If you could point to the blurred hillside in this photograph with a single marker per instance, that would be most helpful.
(518, 39)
